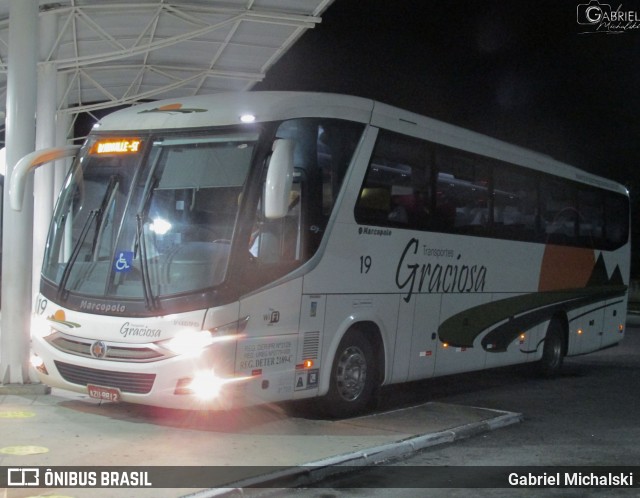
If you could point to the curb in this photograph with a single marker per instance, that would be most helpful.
(22, 389)
(313, 472)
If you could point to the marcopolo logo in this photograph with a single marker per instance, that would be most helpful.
(596, 17)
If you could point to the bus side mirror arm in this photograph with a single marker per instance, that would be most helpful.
(279, 179)
(29, 163)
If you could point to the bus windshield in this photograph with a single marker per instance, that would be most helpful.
(146, 217)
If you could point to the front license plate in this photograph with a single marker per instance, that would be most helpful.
(104, 393)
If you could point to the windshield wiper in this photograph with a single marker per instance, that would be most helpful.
(141, 243)
(112, 187)
(95, 214)
(62, 293)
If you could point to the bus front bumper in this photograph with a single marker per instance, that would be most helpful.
(176, 382)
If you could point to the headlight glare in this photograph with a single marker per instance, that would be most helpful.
(189, 342)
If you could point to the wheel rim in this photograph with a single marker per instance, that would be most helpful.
(351, 373)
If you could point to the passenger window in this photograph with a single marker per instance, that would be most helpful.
(396, 189)
(413, 184)
(590, 218)
(462, 194)
(559, 211)
(515, 204)
(617, 224)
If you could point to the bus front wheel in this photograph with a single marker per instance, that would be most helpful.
(553, 350)
(353, 377)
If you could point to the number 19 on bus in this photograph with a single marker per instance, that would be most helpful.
(365, 264)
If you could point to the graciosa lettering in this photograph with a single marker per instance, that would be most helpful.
(417, 277)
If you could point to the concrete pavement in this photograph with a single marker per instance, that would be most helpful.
(67, 429)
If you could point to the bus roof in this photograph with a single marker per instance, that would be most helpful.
(224, 109)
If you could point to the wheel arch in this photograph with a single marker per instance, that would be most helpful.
(373, 332)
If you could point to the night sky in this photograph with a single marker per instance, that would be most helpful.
(514, 70)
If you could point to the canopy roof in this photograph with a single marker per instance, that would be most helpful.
(118, 52)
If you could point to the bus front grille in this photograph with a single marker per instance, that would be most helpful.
(137, 383)
(82, 347)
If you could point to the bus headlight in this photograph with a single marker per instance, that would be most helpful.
(205, 384)
(38, 364)
(192, 342)
(189, 342)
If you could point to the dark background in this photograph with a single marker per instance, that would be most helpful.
(523, 72)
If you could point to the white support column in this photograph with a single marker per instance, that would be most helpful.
(17, 244)
(46, 110)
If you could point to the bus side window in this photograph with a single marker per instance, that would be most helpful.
(590, 217)
(323, 151)
(462, 193)
(616, 227)
(515, 204)
(559, 211)
(374, 205)
(396, 189)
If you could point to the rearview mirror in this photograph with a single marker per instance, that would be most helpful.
(279, 179)
(28, 164)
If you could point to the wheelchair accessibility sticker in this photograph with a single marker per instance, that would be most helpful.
(123, 261)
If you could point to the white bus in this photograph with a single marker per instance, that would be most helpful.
(225, 250)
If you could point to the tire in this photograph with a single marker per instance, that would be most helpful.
(550, 364)
(353, 377)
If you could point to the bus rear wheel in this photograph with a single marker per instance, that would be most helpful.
(353, 377)
(553, 350)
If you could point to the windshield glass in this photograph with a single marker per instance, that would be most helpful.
(146, 217)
